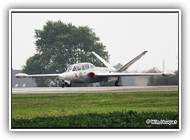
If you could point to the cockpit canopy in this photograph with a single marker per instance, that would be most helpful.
(80, 66)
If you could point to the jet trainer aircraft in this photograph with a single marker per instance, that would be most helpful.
(88, 73)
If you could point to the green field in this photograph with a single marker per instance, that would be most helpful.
(93, 109)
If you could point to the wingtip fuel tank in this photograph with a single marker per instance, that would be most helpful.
(21, 75)
(168, 74)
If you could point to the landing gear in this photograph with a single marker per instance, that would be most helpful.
(63, 84)
(117, 82)
(68, 85)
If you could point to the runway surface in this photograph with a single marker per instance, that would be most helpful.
(37, 90)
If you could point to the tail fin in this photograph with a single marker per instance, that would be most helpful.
(104, 62)
(126, 66)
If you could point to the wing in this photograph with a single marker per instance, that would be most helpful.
(24, 75)
(134, 74)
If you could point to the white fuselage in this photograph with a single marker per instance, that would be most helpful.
(86, 76)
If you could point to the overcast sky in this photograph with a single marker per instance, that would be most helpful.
(125, 35)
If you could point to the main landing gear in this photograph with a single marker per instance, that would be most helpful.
(63, 84)
(117, 82)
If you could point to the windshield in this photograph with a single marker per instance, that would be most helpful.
(80, 66)
(69, 68)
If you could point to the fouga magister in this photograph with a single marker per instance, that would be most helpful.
(88, 73)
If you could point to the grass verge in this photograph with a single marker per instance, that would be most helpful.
(128, 119)
(94, 110)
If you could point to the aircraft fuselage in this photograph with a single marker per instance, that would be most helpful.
(85, 76)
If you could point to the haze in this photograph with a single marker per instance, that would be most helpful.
(124, 34)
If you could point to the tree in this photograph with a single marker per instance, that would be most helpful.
(59, 44)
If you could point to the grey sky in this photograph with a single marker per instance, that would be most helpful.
(125, 35)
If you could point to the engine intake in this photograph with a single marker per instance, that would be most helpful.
(91, 75)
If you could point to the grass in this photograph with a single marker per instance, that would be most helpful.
(47, 109)
(128, 119)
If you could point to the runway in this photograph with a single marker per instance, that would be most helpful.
(38, 90)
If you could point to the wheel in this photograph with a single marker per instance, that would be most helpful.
(63, 85)
(116, 83)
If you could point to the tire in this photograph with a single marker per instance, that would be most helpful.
(63, 85)
(116, 83)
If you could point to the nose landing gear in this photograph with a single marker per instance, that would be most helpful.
(63, 84)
